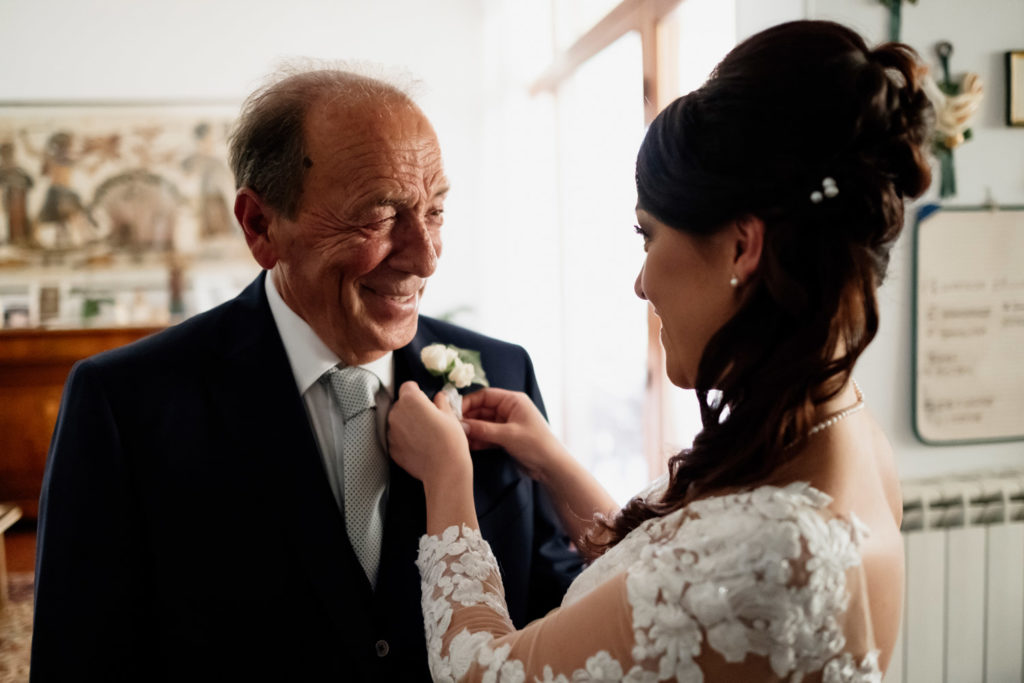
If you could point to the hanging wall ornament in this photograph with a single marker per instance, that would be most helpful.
(895, 19)
(955, 104)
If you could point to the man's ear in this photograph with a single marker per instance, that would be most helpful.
(255, 217)
(749, 232)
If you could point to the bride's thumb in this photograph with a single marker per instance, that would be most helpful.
(441, 401)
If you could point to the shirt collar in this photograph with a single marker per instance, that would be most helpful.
(308, 356)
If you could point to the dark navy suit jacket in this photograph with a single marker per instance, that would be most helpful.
(187, 529)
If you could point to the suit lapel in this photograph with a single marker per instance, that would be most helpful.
(405, 521)
(406, 510)
(263, 411)
(409, 367)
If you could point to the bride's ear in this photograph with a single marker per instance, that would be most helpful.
(749, 232)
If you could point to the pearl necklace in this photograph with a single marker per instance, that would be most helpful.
(847, 412)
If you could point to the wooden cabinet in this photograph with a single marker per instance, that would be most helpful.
(34, 365)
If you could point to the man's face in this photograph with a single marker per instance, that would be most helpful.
(354, 261)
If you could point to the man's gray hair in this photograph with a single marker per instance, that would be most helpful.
(267, 145)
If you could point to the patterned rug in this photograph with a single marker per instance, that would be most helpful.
(16, 630)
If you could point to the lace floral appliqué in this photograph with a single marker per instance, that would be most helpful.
(759, 575)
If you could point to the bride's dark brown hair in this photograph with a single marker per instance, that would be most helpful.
(786, 109)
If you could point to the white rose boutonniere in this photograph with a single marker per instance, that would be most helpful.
(438, 358)
(459, 368)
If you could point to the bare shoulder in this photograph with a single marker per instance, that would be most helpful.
(858, 470)
(854, 464)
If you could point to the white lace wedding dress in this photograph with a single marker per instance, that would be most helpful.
(760, 585)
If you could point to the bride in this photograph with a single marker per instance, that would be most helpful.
(768, 200)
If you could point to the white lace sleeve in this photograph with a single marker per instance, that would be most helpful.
(458, 571)
(753, 586)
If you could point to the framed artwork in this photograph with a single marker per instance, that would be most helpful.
(1015, 88)
(114, 204)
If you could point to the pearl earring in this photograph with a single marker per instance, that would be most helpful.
(734, 281)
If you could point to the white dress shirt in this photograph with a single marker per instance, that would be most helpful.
(310, 358)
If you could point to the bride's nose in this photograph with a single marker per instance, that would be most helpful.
(638, 286)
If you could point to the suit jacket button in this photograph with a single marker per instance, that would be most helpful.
(382, 648)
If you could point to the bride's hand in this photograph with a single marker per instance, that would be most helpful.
(426, 440)
(509, 419)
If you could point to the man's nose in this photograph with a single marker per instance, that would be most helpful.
(416, 247)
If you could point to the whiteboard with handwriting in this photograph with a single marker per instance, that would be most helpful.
(969, 331)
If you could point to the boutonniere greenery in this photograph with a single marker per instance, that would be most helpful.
(459, 368)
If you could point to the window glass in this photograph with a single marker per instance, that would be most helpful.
(707, 31)
(601, 125)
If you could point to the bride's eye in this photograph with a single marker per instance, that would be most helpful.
(643, 233)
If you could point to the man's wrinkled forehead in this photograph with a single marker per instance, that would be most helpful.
(376, 146)
(341, 127)
(386, 115)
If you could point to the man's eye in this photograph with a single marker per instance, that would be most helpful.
(381, 221)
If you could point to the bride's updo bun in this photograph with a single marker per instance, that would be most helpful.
(822, 138)
(789, 107)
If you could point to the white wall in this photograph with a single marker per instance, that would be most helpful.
(87, 50)
(990, 164)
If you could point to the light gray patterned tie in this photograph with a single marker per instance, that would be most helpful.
(364, 464)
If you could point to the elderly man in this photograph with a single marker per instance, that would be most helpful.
(214, 507)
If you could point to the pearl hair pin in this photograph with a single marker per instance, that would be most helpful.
(829, 189)
(831, 420)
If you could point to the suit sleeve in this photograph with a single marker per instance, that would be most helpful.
(90, 606)
(555, 563)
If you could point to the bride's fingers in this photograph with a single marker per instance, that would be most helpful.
(490, 397)
(410, 389)
(482, 431)
(443, 404)
(482, 414)
(412, 397)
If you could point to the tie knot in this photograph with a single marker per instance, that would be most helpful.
(354, 388)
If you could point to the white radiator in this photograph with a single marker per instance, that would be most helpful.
(963, 619)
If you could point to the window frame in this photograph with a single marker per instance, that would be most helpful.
(659, 38)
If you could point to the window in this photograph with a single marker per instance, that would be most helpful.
(561, 179)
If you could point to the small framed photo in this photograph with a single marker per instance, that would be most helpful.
(49, 303)
(1015, 88)
(16, 311)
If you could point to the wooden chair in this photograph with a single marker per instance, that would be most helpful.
(9, 514)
